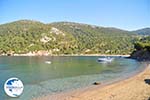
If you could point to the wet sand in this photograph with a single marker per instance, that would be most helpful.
(136, 87)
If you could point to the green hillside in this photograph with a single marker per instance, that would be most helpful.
(64, 38)
(142, 49)
(99, 39)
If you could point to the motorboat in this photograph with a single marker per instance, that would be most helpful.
(48, 62)
(105, 59)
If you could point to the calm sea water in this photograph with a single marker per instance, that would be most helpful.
(63, 74)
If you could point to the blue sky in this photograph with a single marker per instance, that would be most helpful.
(124, 14)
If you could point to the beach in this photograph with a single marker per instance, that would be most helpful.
(136, 87)
(56, 55)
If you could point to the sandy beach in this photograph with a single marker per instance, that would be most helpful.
(47, 54)
(134, 88)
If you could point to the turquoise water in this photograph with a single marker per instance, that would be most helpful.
(63, 74)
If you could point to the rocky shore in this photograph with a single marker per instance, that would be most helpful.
(142, 55)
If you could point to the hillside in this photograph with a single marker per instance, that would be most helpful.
(142, 49)
(26, 36)
(144, 31)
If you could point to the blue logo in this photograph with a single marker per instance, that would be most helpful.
(13, 87)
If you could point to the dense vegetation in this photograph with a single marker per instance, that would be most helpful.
(142, 49)
(64, 38)
(143, 43)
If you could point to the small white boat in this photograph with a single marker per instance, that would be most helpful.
(105, 59)
(48, 62)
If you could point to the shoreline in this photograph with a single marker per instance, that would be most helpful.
(32, 55)
(131, 88)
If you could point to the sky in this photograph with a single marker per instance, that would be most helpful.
(124, 14)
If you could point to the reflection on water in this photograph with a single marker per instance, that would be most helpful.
(62, 74)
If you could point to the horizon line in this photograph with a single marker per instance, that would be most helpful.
(67, 21)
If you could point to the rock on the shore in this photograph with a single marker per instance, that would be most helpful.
(96, 83)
